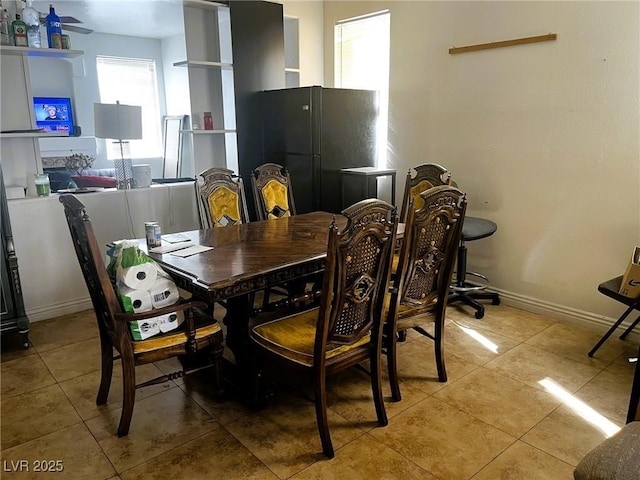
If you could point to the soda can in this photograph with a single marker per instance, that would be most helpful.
(152, 231)
(66, 42)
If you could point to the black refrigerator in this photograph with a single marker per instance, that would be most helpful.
(315, 132)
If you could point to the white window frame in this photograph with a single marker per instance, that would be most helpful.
(362, 47)
(133, 81)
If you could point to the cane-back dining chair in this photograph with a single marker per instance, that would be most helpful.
(197, 340)
(272, 192)
(420, 288)
(346, 328)
(221, 198)
(419, 179)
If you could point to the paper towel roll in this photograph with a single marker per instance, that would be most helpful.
(171, 321)
(138, 277)
(164, 292)
(136, 301)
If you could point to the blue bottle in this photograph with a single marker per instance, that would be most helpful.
(54, 29)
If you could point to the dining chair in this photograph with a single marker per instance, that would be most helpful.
(420, 289)
(221, 198)
(346, 328)
(431, 175)
(419, 179)
(197, 340)
(272, 192)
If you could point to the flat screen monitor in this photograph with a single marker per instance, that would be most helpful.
(53, 114)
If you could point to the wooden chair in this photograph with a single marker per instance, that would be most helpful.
(199, 336)
(418, 180)
(421, 283)
(347, 327)
(272, 192)
(221, 198)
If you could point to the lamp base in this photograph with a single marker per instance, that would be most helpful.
(124, 173)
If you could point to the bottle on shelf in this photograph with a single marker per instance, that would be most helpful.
(5, 35)
(54, 29)
(208, 121)
(32, 18)
(19, 29)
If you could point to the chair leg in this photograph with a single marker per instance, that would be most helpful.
(611, 330)
(392, 365)
(320, 399)
(629, 328)
(128, 395)
(376, 387)
(437, 341)
(219, 392)
(107, 370)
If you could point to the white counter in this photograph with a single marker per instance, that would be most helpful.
(51, 278)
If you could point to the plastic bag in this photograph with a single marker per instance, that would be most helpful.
(142, 285)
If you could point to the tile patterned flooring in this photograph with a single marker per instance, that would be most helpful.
(498, 416)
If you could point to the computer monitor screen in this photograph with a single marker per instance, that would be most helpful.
(53, 114)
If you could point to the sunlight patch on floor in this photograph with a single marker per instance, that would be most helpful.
(484, 341)
(585, 411)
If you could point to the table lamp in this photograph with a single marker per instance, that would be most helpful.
(121, 123)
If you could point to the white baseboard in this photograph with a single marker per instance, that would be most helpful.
(59, 309)
(552, 310)
(566, 314)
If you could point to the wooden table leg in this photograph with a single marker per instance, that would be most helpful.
(247, 373)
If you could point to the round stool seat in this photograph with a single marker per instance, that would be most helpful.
(475, 228)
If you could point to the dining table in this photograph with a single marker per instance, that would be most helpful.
(245, 259)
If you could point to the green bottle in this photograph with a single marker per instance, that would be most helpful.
(19, 29)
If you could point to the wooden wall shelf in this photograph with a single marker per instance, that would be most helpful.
(503, 43)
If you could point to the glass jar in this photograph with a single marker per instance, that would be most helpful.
(43, 188)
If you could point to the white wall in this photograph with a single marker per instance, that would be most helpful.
(542, 137)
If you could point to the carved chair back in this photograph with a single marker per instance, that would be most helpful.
(221, 198)
(429, 248)
(90, 257)
(356, 275)
(272, 192)
(418, 180)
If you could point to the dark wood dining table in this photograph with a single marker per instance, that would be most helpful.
(245, 259)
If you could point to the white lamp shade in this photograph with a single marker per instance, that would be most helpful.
(117, 121)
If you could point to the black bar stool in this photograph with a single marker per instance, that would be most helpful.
(463, 291)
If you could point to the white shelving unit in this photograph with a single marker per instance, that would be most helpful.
(39, 52)
(20, 149)
(202, 64)
(207, 132)
(33, 134)
(210, 70)
(292, 51)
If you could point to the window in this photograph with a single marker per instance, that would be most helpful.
(362, 47)
(133, 81)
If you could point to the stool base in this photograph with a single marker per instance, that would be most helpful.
(468, 293)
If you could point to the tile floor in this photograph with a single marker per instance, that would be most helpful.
(513, 408)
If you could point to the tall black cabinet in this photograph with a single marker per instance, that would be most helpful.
(257, 36)
(13, 317)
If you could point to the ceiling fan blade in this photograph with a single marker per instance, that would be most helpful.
(69, 20)
(74, 28)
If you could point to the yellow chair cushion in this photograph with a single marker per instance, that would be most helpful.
(172, 339)
(408, 311)
(293, 338)
(224, 204)
(275, 195)
(417, 190)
